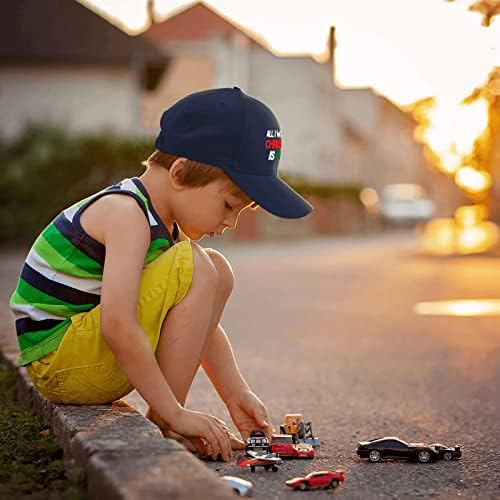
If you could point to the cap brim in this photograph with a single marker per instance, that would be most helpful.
(272, 194)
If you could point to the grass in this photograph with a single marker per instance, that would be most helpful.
(31, 461)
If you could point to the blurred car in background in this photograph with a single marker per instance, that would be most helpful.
(405, 204)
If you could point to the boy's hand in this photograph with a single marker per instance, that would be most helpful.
(249, 413)
(193, 424)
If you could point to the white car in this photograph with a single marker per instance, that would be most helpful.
(240, 486)
(406, 203)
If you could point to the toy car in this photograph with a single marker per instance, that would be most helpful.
(283, 446)
(258, 442)
(254, 459)
(240, 486)
(303, 450)
(300, 431)
(394, 447)
(315, 480)
(446, 452)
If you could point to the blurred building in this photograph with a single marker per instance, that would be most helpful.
(62, 64)
(354, 136)
(208, 50)
(378, 148)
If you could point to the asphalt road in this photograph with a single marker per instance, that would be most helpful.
(326, 328)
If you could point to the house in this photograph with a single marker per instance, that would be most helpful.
(62, 64)
(352, 137)
(206, 49)
(378, 148)
(330, 134)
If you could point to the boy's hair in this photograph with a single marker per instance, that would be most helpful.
(195, 174)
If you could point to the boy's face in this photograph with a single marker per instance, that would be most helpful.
(211, 209)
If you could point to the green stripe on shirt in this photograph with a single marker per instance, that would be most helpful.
(27, 294)
(138, 192)
(30, 339)
(59, 263)
(52, 245)
(156, 248)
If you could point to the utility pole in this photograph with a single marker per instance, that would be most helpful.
(151, 11)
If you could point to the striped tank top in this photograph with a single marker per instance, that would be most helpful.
(62, 274)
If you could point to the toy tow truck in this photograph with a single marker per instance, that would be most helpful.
(300, 431)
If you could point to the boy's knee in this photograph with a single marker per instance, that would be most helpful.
(204, 268)
(224, 270)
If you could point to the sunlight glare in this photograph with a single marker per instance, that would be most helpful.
(473, 180)
(455, 126)
(476, 307)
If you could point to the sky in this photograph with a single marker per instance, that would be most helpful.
(404, 49)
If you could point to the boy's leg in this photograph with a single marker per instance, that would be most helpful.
(185, 327)
(186, 330)
(225, 286)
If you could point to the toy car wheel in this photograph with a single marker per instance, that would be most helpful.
(252, 468)
(424, 456)
(303, 486)
(447, 456)
(374, 456)
(334, 483)
(274, 468)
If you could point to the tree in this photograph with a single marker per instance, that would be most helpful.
(151, 11)
(488, 8)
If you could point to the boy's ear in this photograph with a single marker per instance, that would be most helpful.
(175, 173)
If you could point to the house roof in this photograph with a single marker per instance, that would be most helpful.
(65, 31)
(198, 22)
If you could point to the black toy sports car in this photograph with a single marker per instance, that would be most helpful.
(394, 447)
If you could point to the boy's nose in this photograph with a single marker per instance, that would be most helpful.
(230, 222)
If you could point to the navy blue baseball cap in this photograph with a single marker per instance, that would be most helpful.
(228, 129)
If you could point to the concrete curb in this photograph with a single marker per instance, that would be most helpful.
(123, 454)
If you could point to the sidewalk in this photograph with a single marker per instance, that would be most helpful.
(123, 454)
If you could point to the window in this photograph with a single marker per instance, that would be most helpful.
(152, 75)
(395, 444)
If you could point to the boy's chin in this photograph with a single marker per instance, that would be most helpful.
(198, 236)
(193, 235)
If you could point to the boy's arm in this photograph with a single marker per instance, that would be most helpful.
(220, 365)
(126, 236)
(120, 329)
(246, 409)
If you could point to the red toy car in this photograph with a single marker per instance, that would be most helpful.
(268, 461)
(283, 446)
(315, 480)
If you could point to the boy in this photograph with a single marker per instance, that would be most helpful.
(114, 295)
